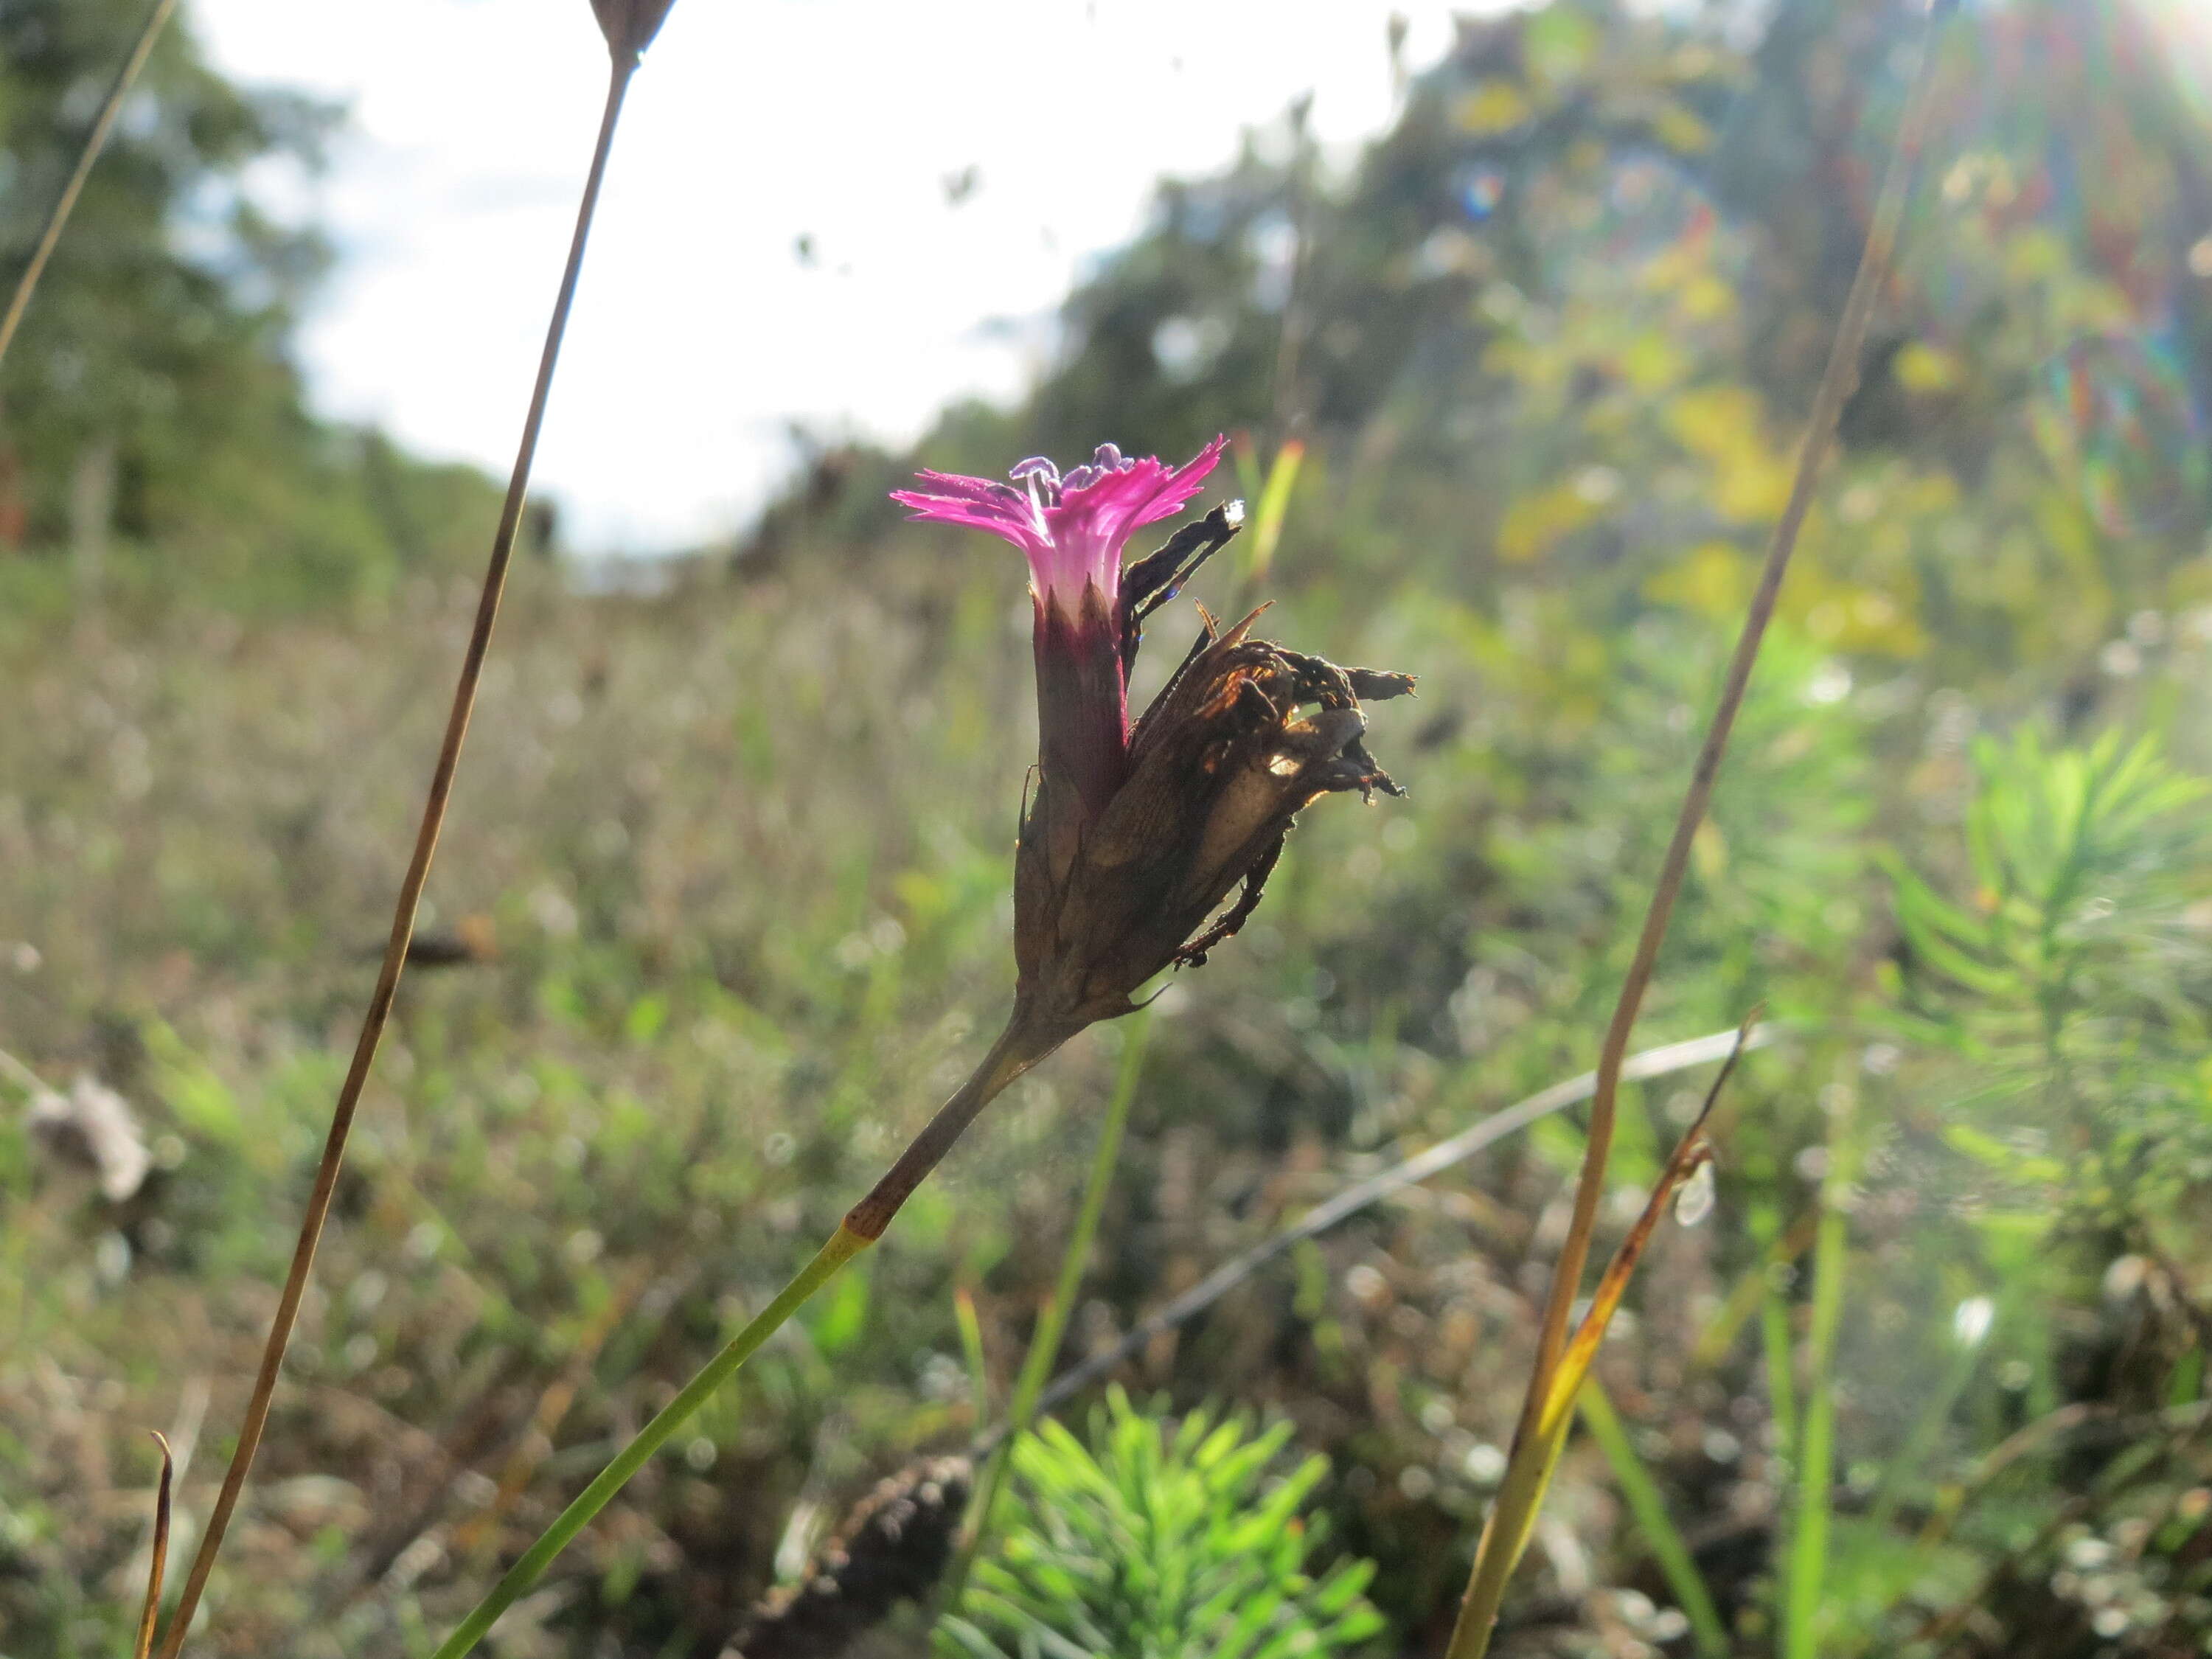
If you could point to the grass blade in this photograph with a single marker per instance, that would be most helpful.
(1536, 1449)
(152, 1612)
(1660, 1536)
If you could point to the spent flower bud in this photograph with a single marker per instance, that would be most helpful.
(630, 25)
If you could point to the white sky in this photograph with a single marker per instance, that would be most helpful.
(698, 333)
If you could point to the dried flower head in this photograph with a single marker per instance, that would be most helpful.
(893, 1547)
(1136, 835)
(630, 25)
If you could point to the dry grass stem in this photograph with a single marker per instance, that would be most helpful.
(410, 891)
(160, 1560)
(1537, 1447)
(1838, 380)
(96, 140)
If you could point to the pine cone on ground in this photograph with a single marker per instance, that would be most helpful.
(894, 1547)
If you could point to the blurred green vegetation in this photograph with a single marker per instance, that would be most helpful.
(726, 879)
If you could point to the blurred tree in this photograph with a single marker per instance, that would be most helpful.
(153, 386)
(163, 325)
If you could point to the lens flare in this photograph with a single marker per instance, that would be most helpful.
(2115, 411)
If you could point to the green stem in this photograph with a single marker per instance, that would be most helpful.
(1051, 1321)
(1660, 1536)
(844, 1244)
(1815, 1464)
(1018, 1048)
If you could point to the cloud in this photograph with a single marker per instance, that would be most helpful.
(698, 335)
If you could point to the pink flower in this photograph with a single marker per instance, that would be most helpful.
(1072, 528)
(1140, 849)
(1088, 609)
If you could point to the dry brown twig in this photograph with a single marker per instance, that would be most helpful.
(629, 26)
(160, 1560)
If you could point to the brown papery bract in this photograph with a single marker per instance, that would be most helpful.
(1219, 766)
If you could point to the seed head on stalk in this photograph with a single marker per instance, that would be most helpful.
(630, 25)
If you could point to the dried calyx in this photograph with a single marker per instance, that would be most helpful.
(1219, 766)
(630, 25)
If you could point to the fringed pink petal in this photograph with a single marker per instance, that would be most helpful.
(979, 504)
(1094, 518)
(1073, 531)
(1072, 528)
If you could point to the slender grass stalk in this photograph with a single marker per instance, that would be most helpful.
(1507, 1531)
(1536, 1455)
(95, 142)
(1021, 1046)
(410, 890)
(1052, 1320)
(1804, 1566)
(971, 1350)
(151, 1613)
(1660, 1536)
(1781, 1373)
